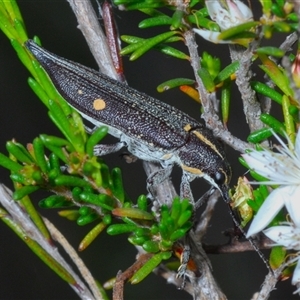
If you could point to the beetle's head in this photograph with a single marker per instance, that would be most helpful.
(219, 177)
(204, 156)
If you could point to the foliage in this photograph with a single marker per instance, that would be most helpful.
(87, 190)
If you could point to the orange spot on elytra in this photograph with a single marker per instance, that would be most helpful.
(99, 104)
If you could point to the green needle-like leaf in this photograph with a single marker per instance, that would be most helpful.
(150, 43)
(149, 266)
(174, 83)
(237, 30)
(9, 164)
(91, 236)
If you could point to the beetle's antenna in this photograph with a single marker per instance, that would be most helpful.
(250, 239)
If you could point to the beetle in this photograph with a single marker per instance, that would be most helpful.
(150, 129)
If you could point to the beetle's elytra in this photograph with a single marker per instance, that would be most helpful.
(151, 130)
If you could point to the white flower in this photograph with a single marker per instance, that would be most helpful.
(283, 169)
(289, 237)
(227, 14)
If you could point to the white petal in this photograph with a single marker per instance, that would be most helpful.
(262, 162)
(211, 36)
(280, 235)
(214, 9)
(237, 13)
(267, 212)
(292, 202)
(296, 275)
(279, 168)
(245, 10)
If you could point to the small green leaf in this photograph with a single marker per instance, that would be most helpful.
(94, 139)
(191, 92)
(225, 100)
(13, 9)
(142, 231)
(55, 201)
(19, 26)
(260, 135)
(227, 72)
(133, 213)
(172, 83)
(37, 40)
(281, 26)
(151, 246)
(117, 183)
(184, 217)
(138, 240)
(17, 177)
(186, 205)
(203, 23)
(177, 19)
(69, 214)
(152, 12)
(107, 219)
(277, 257)
(212, 64)
(177, 234)
(84, 220)
(288, 119)
(101, 200)
(266, 5)
(207, 80)
(271, 51)
(142, 202)
(150, 43)
(292, 17)
(120, 228)
(273, 123)
(163, 230)
(6, 26)
(146, 4)
(19, 152)
(134, 43)
(149, 266)
(278, 75)
(69, 180)
(266, 91)
(171, 226)
(155, 21)
(38, 90)
(171, 51)
(39, 153)
(24, 191)
(61, 120)
(176, 209)
(54, 141)
(237, 30)
(23, 56)
(106, 176)
(91, 236)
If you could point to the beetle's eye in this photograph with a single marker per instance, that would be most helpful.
(220, 177)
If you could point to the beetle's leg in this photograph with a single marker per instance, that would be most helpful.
(103, 149)
(185, 188)
(184, 259)
(156, 178)
(204, 198)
